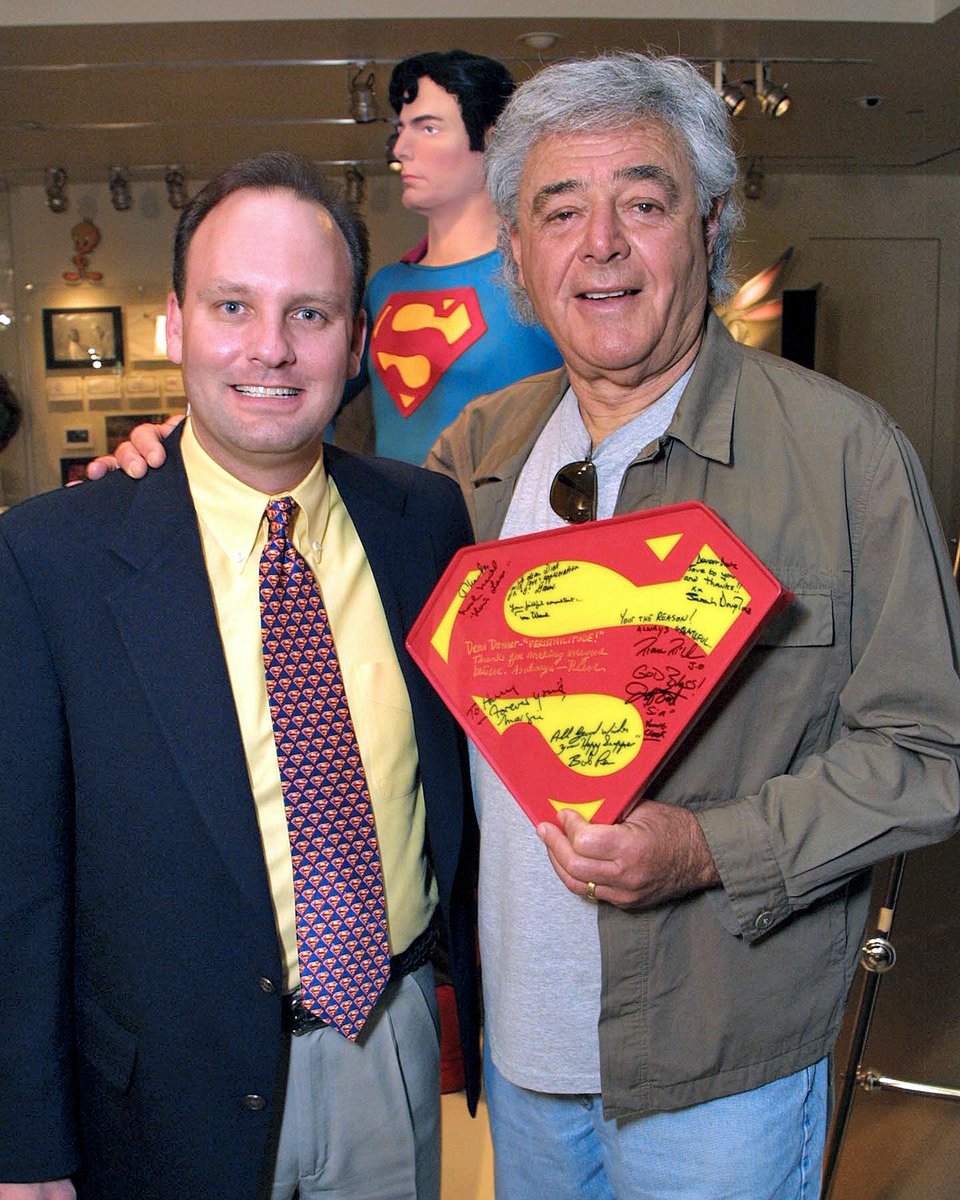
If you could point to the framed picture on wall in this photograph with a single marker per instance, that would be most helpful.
(74, 469)
(145, 336)
(119, 427)
(78, 338)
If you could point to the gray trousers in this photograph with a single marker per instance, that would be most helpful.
(361, 1120)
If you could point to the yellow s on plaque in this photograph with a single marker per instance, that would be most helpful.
(577, 659)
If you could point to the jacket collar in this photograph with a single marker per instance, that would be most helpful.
(703, 420)
(704, 417)
(534, 400)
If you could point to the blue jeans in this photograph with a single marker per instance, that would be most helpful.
(765, 1144)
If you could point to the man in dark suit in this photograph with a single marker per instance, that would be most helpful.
(160, 1039)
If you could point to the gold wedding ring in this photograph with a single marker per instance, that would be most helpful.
(591, 890)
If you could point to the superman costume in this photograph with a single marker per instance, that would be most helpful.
(437, 337)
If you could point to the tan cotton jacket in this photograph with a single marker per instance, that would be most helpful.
(834, 745)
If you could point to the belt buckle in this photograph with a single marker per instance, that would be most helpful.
(298, 1019)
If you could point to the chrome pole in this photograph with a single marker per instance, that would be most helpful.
(877, 956)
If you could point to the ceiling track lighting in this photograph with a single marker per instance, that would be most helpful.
(773, 98)
(55, 185)
(732, 94)
(120, 196)
(176, 181)
(363, 97)
(354, 188)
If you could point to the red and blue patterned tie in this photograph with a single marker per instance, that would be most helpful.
(338, 882)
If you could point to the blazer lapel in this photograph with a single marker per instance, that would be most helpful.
(403, 557)
(396, 555)
(168, 627)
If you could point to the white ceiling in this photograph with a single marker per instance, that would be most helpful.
(84, 12)
(147, 93)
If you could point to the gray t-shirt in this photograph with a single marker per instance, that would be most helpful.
(538, 941)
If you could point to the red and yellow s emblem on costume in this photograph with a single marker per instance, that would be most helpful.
(417, 336)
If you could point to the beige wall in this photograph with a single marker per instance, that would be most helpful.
(886, 249)
(134, 258)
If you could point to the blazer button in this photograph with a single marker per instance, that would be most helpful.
(267, 985)
(254, 1103)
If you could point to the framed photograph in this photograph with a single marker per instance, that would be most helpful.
(78, 338)
(173, 388)
(65, 387)
(103, 387)
(145, 327)
(74, 470)
(118, 428)
(142, 387)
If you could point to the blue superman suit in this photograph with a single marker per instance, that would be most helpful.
(139, 1000)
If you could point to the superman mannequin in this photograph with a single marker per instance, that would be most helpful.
(441, 330)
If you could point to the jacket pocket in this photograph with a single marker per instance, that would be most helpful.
(807, 621)
(109, 1048)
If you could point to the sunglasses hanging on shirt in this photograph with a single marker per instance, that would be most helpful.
(573, 493)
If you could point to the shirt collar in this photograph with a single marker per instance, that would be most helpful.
(232, 512)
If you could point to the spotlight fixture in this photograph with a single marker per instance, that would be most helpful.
(773, 99)
(55, 185)
(175, 180)
(753, 182)
(730, 93)
(393, 162)
(120, 196)
(354, 185)
(363, 98)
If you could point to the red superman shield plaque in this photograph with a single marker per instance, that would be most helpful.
(417, 336)
(576, 659)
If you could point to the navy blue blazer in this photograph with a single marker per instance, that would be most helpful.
(139, 990)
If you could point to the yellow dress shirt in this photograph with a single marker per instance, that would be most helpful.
(233, 530)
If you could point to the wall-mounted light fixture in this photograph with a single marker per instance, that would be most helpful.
(55, 185)
(120, 196)
(354, 185)
(540, 39)
(176, 180)
(772, 98)
(363, 97)
(393, 162)
(753, 182)
(731, 94)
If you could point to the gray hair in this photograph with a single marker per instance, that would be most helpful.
(615, 91)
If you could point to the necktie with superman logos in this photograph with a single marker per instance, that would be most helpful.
(342, 941)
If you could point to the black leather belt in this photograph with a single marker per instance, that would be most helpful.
(298, 1020)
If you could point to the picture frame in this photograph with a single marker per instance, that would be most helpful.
(82, 339)
(65, 387)
(144, 344)
(118, 427)
(73, 469)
